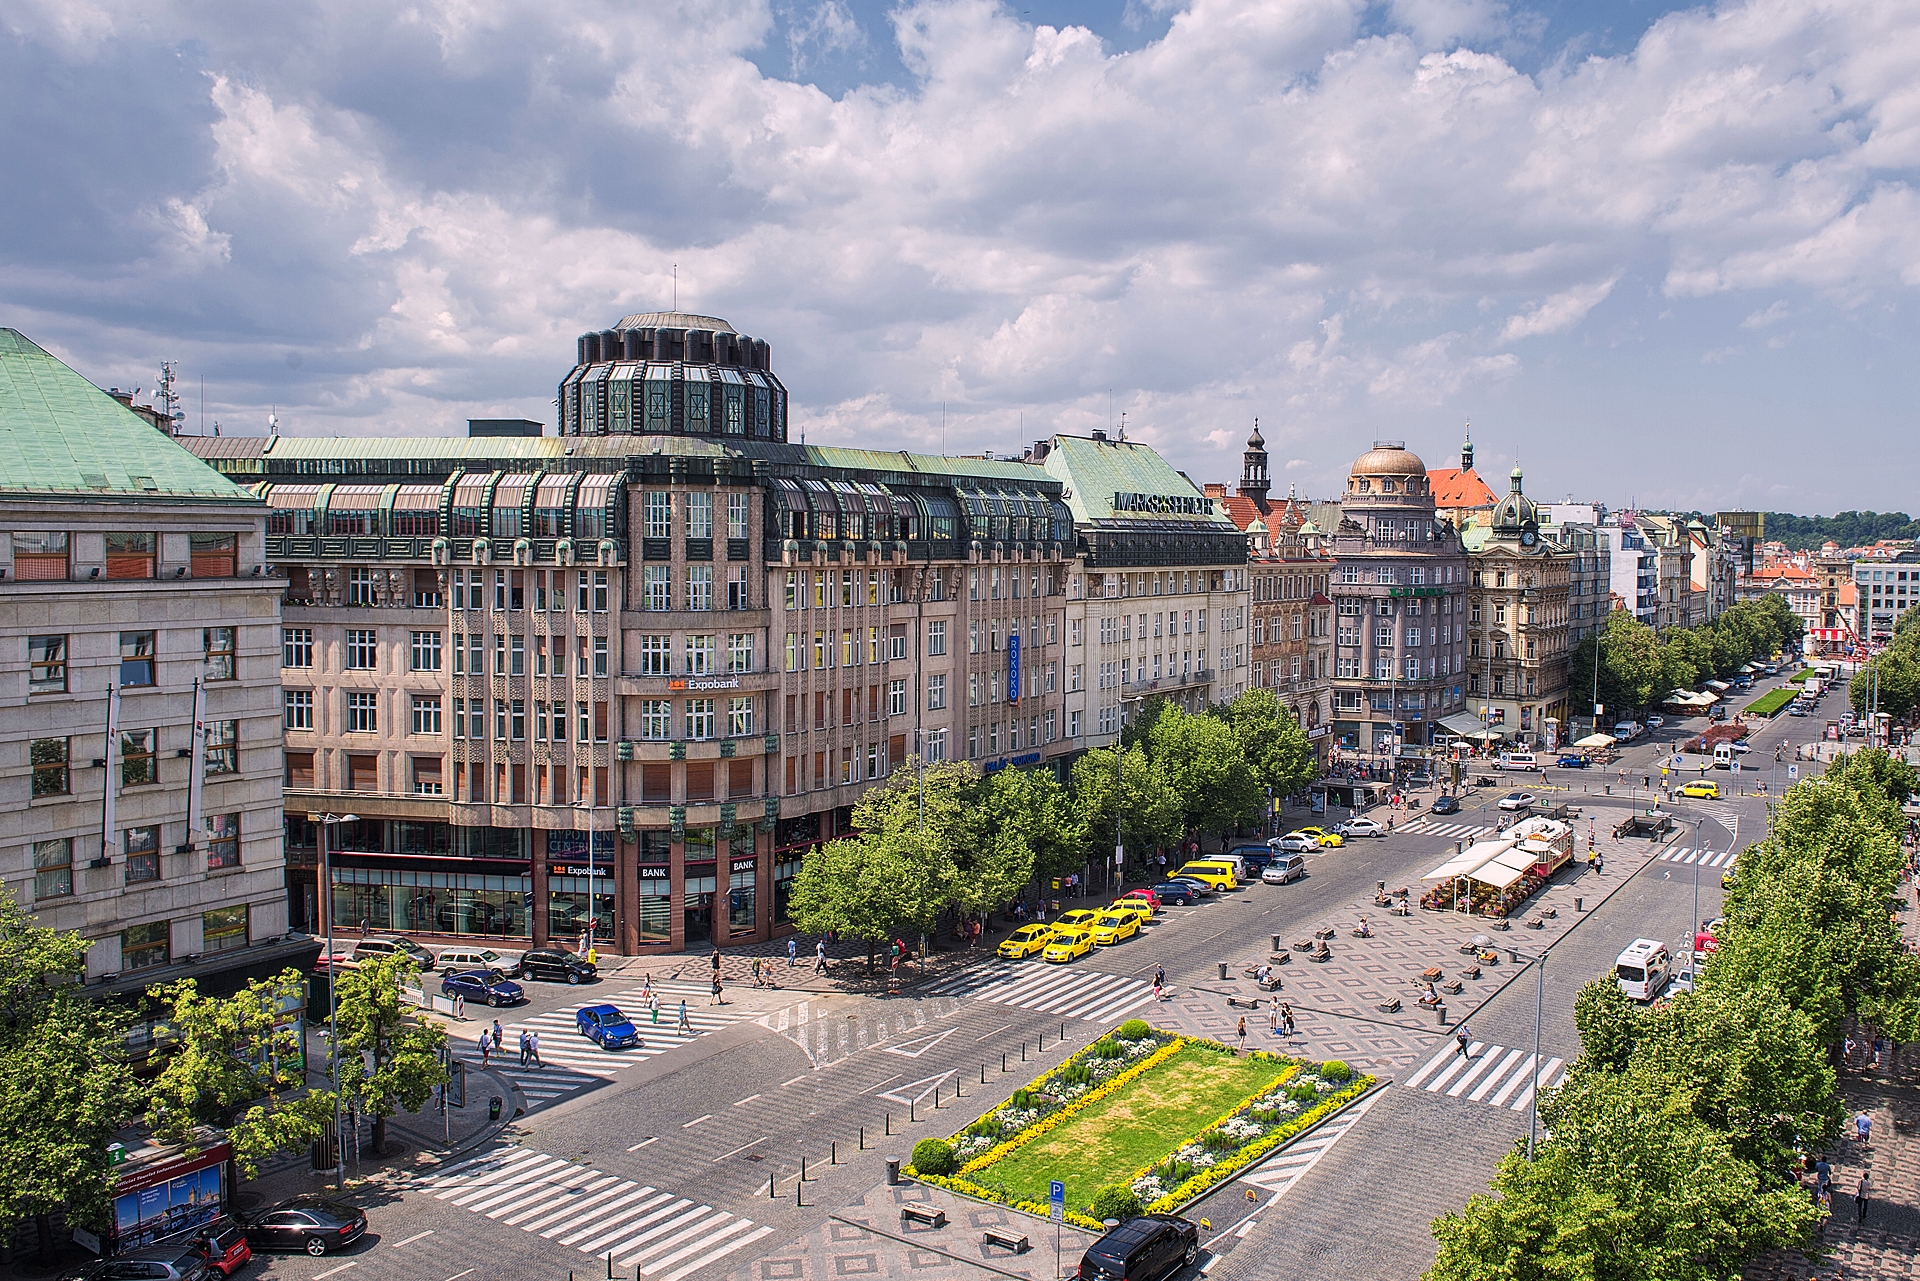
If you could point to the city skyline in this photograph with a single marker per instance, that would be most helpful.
(963, 229)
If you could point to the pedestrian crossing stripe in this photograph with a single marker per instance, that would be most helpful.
(1290, 1164)
(825, 1039)
(666, 1236)
(569, 1061)
(1703, 856)
(1490, 1074)
(1052, 989)
(1427, 827)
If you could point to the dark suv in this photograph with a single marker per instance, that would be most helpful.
(552, 963)
(1148, 1248)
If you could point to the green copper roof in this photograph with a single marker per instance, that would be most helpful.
(1115, 480)
(61, 435)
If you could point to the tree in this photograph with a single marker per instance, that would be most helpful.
(1271, 740)
(1148, 815)
(1203, 764)
(1019, 823)
(1891, 678)
(238, 1052)
(65, 1086)
(1629, 664)
(870, 884)
(389, 1059)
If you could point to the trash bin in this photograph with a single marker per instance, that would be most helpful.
(493, 1107)
(1223, 970)
(893, 1172)
(1276, 942)
(1109, 1224)
(1579, 905)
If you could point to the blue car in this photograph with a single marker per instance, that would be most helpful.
(1572, 762)
(489, 986)
(1181, 892)
(607, 1026)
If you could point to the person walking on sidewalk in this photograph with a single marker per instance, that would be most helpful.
(1242, 1033)
(819, 956)
(496, 1036)
(1463, 1039)
(486, 1050)
(1286, 1017)
(756, 971)
(686, 1024)
(1273, 1022)
(523, 1047)
(1863, 1128)
(793, 950)
(533, 1048)
(716, 989)
(1861, 1195)
(653, 1007)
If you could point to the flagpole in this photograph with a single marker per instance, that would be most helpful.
(196, 767)
(112, 757)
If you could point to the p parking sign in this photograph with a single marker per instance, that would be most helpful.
(1057, 1200)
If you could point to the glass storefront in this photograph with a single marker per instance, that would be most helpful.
(431, 902)
(576, 902)
(655, 905)
(784, 873)
(741, 897)
(697, 910)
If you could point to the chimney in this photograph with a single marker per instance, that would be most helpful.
(1040, 451)
(1099, 435)
(1215, 489)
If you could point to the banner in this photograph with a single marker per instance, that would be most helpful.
(107, 834)
(197, 763)
(1013, 668)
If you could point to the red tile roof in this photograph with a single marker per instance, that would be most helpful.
(1455, 488)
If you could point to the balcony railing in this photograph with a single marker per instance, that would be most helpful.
(1140, 688)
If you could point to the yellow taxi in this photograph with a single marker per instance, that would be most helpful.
(1025, 941)
(1218, 875)
(1135, 907)
(1702, 789)
(1078, 919)
(1068, 944)
(1321, 835)
(1114, 926)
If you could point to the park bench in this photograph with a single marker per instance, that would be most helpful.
(1005, 1239)
(932, 1216)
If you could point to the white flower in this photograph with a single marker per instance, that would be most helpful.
(1149, 1188)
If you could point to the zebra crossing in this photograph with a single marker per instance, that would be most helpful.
(1462, 831)
(829, 1036)
(1292, 1162)
(1490, 1074)
(1703, 856)
(570, 1062)
(1722, 812)
(1052, 989)
(668, 1237)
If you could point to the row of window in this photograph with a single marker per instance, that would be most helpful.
(1384, 668)
(702, 655)
(1165, 582)
(1121, 671)
(657, 594)
(47, 660)
(849, 588)
(1119, 629)
(1415, 575)
(46, 555)
(701, 718)
(697, 513)
(1290, 669)
(361, 651)
(515, 589)
(53, 859)
(510, 720)
(589, 523)
(51, 759)
(1288, 586)
(853, 650)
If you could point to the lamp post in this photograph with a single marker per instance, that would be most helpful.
(321, 823)
(1539, 1010)
(1119, 757)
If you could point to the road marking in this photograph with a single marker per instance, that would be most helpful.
(1241, 1233)
(742, 1148)
(996, 1032)
(697, 1120)
(456, 1276)
(740, 1103)
(795, 1081)
(354, 1263)
(410, 1240)
(877, 1084)
(651, 1138)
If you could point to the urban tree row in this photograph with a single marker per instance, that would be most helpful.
(1640, 667)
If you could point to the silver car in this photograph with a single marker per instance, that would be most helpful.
(1362, 827)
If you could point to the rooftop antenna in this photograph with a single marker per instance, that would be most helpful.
(203, 404)
(169, 398)
(943, 427)
(676, 286)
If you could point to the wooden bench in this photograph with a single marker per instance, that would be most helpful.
(932, 1216)
(1432, 975)
(1005, 1239)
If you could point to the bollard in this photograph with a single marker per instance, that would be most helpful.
(863, 1138)
(833, 1154)
(1063, 1031)
(1223, 971)
(609, 1265)
(889, 1123)
(1023, 1051)
(1003, 1060)
(1441, 1010)
(1276, 942)
(893, 1172)
(803, 1169)
(1579, 905)
(1043, 1043)
(911, 1118)
(983, 1074)
(936, 1098)
(772, 1181)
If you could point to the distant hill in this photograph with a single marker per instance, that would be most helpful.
(1849, 529)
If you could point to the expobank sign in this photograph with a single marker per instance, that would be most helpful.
(708, 682)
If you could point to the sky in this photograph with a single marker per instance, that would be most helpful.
(1658, 255)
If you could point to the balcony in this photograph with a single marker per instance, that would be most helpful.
(1167, 684)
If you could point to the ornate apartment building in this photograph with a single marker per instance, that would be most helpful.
(1517, 622)
(141, 693)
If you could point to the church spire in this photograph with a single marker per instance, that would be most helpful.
(1466, 449)
(1254, 483)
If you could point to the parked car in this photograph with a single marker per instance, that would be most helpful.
(159, 1262)
(1148, 1248)
(606, 1027)
(1701, 789)
(1217, 874)
(1146, 895)
(1362, 826)
(1298, 843)
(1445, 805)
(1740, 746)
(1079, 919)
(1025, 941)
(1284, 868)
(1138, 908)
(224, 1242)
(1322, 835)
(1655, 722)
(1199, 887)
(1179, 893)
(479, 958)
(1068, 945)
(1519, 801)
(315, 1224)
(553, 963)
(490, 987)
(1571, 762)
(376, 949)
(1111, 927)
(1798, 709)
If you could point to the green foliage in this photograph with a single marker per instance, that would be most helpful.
(1150, 812)
(1106, 1048)
(1302, 1092)
(231, 1055)
(1336, 1071)
(867, 885)
(933, 1156)
(1848, 529)
(1770, 702)
(1896, 669)
(1271, 739)
(1629, 664)
(1115, 1201)
(1203, 763)
(390, 1060)
(1610, 1024)
(1639, 668)
(1133, 1030)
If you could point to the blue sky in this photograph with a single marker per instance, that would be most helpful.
(1658, 254)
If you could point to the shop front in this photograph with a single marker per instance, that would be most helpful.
(581, 896)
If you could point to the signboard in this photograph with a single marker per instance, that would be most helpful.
(1013, 668)
(570, 845)
(579, 869)
(705, 682)
(1735, 767)
(1793, 772)
(742, 865)
(1057, 1200)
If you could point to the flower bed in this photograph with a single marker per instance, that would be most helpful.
(1291, 1097)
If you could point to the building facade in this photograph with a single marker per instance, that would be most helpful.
(1518, 616)
(1885, 589)
(1633, 566)
(1399, 593)
(142, 696)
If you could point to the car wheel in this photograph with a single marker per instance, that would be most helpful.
(316, 1247)
(1193, 1250)
(573, 978)
(493, 998)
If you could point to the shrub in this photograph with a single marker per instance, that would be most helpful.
(1218, 1141)
(1303, 1092)
(1076, 1074)
(1107, 1048)
(933, 1156)
(1115, 1201)
(1134, 1030)
(1022, 1098)
(1336, 1071)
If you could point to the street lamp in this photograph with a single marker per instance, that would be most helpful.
(1539, 1010)
(321, 823)
(1119, 757)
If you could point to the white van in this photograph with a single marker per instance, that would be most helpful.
(1522, 761)
(1723, 755)
(1627, 731)
(1642, 970)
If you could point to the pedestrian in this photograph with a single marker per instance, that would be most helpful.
(646, 984)
(1822, 1182)
(496, 1036)
(756, 971)
(686, 1025)
(1879, 1044)
(1860, 1196)
(1863, 1127)
(1462, 1039)
(523, 1047)
(1242, 1033)
(1273, 1022)
(653, 1007)
(793, 950)
(486, 1051)
(819, 956)
(715, 959)
(716, 991)
(533, 1048)
(1286, 1016)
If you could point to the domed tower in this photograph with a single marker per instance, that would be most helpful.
(1254, 481)
(1516, 513)
(672, 372)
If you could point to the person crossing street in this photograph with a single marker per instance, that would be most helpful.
(1463, 1039)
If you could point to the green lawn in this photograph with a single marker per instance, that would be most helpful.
(1769, 703)
(1145, 1121)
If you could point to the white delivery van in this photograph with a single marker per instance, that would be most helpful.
(1642, 970)
(1627, 731)
(1723, 755)
(1523, 761)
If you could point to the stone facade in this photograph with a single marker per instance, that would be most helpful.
(1517, 624)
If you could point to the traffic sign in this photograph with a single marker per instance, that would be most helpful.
(1057, 1200)
(1736, 767)
(1793, 772)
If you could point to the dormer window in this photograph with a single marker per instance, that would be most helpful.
(1364, 484)
(1386, 486)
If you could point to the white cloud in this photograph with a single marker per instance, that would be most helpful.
(1559, 313)
(1772, 315)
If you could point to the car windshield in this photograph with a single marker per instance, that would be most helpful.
(611, 1018)
(1115, 919)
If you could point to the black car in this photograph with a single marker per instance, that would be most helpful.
(311, 1223)
(153, 1263)
(1148, 1248)
(1181, 892)
(1446, 805)
(552, 963)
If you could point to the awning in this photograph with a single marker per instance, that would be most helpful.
(1464, 724)
(417, 498)
(1687, 698)
(1592, 741)
(1718, 687)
